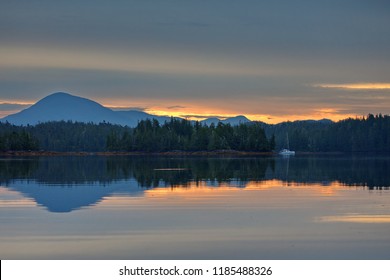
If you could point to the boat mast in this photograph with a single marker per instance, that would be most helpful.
(288, 142)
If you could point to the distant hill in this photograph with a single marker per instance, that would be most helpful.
(323, 121)
(63, 106)
(232, 121)
(236, 120)
(210, 121)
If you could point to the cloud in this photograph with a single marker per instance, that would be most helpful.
(195, 116)
(140, 61)
(176, 107)
(8, 108)
(358, 218)
(13, 106)
(356, 86)
(119, 108)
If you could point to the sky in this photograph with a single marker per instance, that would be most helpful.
(271, 61)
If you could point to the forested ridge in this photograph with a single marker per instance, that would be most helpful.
(148, 136)
(367, 134)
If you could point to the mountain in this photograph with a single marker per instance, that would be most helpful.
(63, 106)
(232, 121)
(322, 121)
(236, 120)
(210, 121)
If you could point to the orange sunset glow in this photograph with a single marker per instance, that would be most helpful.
(200, 110)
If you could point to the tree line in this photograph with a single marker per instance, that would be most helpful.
(366, 134)
(63, 136)
(180, 134)
(12, 139)
(147, 136)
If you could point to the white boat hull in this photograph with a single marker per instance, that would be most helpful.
(286, 152)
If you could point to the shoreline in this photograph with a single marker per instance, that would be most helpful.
(167, 153)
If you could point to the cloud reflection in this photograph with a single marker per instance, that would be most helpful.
(358, 86)
(358, 218)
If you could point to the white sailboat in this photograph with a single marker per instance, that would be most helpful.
(287, 152)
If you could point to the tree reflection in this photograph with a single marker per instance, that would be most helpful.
(63, 184)
(150, 172)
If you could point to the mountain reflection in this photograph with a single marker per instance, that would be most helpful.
(63, 184)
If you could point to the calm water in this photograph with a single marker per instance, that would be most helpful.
(195, 208)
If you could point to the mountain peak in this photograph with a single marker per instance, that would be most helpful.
(240, 117)
(60, 94)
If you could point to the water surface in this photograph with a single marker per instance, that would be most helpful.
(195, 208)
